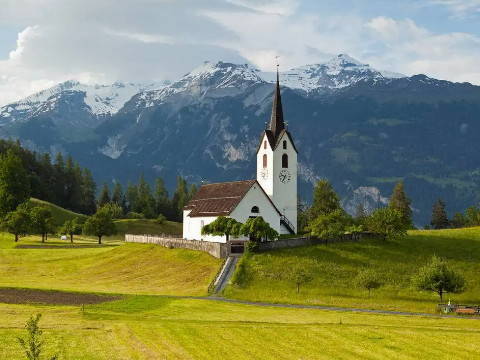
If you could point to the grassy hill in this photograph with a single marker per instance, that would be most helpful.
(60, 214)
(128, 268)
(265, 276)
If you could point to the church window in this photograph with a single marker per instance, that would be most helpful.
(284, 161)
(264, 160)
(255, 210)
(265, 144)
(284, 144)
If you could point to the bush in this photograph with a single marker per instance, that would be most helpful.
(135, 215)
(251, 247)
(160, 219)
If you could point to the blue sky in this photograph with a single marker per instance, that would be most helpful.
(101, 41)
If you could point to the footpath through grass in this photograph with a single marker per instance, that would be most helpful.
(265, 276)
(149, 327)
(114, 267)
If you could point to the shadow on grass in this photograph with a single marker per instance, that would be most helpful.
(65, 246)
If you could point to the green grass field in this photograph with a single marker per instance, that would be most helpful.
(147, 327)
(128, 268)
(335, 266)
(144, 324)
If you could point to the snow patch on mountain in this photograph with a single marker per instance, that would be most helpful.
(217, 79)
(339, 72)
(113, 148)
(100, 99)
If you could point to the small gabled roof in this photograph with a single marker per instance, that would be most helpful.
(221, 199)
(275, 142)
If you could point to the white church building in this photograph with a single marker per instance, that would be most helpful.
(273, 195)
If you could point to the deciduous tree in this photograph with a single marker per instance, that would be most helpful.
(257, 229)
(387, 222)
(223, 226)
(71, 227)
(18, 222)
(368, 279)
(100, 224)
(42, 221)
(438, 277)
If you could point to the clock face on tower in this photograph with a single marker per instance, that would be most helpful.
(285, 176)
(264, 173)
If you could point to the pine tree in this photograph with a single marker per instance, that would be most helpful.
(88, 189)
(401, 202)
(104, 197)
(145, 200)
(163, 205)
(439, 215)
(118, 197)
(14, 182)
(132, 196)
(180, 198)
(325, 199)
(59, 180)
(360, 212)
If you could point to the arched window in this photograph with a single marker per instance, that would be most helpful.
(255, 210)
(264, 160)
(284, 161)
(265, 144)
(284, 144)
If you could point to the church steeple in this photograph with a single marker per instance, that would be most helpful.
(276, 121)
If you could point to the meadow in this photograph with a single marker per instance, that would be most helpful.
(154, 316)
(333, 268)
(155, 327)
(111, 267)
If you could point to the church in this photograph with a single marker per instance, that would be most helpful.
(272, 195)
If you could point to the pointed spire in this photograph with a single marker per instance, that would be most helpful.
(276, 121)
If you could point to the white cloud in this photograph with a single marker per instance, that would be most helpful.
(108, 40)
(460, 8)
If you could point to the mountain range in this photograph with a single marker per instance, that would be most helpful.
(361, 128)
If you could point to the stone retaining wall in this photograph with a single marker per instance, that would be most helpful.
(218, 250)
(307, 241)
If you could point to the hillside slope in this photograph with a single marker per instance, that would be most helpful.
(265, 276)
(128, 269)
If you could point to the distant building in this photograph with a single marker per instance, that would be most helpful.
(273, 195)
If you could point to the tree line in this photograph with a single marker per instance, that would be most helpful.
(140, 201)
(25, 174)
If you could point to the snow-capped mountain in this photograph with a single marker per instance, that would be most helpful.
(100, 100)
(361, 128)
(339, 72)
(216, 79)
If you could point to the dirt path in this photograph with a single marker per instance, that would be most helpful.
(51, 297)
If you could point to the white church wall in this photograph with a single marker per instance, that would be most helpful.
(192, 228)
(285, 194)
(265, 181)
(256, 197)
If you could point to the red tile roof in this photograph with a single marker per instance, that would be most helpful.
(218, 199)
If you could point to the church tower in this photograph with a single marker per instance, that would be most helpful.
(277, 165)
